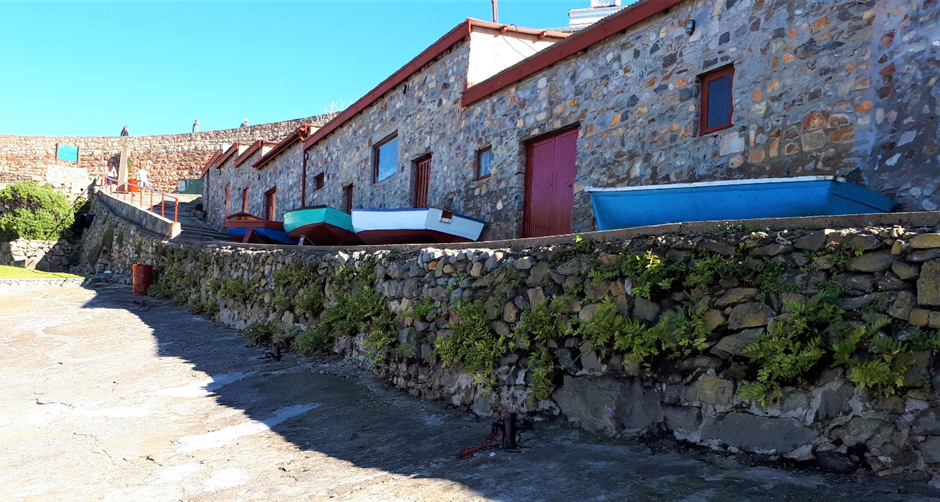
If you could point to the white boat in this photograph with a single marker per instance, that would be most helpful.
(414, 226)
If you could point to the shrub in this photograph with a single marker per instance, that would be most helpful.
(262, 333)
(472, 343)
(34, 212)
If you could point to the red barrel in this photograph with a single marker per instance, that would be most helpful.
(143, 277)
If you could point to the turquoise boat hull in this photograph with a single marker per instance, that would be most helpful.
(320, 226)
(628, 207)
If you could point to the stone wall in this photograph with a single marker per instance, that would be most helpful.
(50, 256)
(168, 157)
(881, 267)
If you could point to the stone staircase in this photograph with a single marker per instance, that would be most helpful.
(194, 229)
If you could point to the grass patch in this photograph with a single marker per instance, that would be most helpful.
(8, 272)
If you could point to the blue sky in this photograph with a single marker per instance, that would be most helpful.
(89, 68)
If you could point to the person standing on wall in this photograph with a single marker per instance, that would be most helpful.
(143, 177)
(124, 132)
(196, 126)
(244, 123)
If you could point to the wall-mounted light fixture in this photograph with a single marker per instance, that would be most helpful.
(690, 26)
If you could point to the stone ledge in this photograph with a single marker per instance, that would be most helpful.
(13, 283)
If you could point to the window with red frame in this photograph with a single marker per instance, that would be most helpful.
(716, 100)
(484, 162)
(385, 158)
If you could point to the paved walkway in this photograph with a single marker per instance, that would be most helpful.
(113, 397)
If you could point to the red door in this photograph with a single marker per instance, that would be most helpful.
(270, 207)
(422, 182)
(549, 184)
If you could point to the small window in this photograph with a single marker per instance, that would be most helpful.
(245, 200)
(716, 100)
(385, 158)
(484, 163)
(318, 182)
(348, 198)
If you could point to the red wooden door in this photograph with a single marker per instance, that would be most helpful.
(549, 184)
(270, 208)
(422, 182)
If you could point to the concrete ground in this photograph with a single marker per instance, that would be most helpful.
(108, 396)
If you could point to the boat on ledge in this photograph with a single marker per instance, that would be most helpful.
(320, 226)
(414, 226)
(626, 207)
(244, 227)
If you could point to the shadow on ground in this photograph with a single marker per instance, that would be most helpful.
(322, 406)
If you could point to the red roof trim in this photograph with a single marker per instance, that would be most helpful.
(580, 41)
(454, 36)
(232, 150)
(299, 134)
(256, 146)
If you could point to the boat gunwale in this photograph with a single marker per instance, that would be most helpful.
(701, 184)
(418, 209)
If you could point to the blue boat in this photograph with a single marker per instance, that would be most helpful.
(244, 227)
(626, 207)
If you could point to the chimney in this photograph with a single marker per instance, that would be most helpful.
(599, 9)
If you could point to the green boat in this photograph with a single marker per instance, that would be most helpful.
(320, 226)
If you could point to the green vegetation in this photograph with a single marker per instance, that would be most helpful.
(34, 212)
(420, 308)
(298, 289)
(239, 290)
(261, 333)
(357, 309)
(472, 343)
(208, 306)
(791, 348)
(654, 276)
(170, 279)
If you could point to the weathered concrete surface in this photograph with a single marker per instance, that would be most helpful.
(108, 396)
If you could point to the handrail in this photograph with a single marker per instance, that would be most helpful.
(115, 189)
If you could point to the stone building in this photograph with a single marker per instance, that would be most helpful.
(790, 88)
(168, 157)
(411, 114)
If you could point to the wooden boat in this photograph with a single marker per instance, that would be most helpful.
(244, 227)
(626, 207)
(414, 226)
(320, 225)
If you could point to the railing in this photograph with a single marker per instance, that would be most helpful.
(122, 192)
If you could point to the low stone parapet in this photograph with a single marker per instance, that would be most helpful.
(40, 283)
(50, 256)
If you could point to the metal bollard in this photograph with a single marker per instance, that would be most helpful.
(509, 428)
